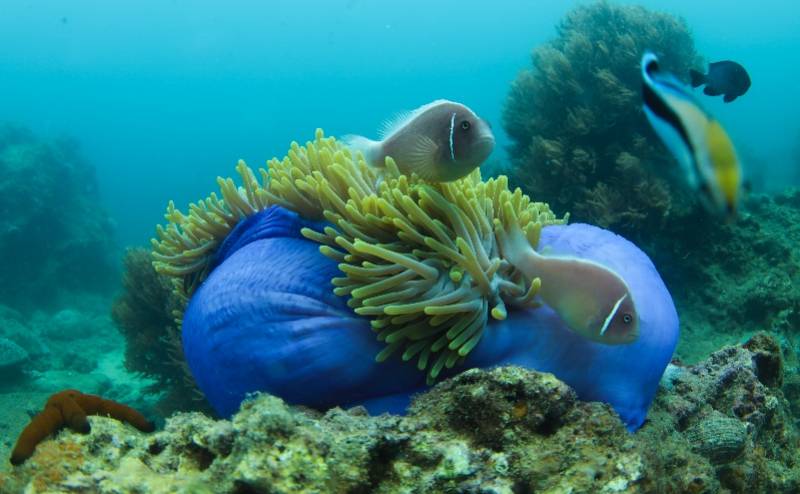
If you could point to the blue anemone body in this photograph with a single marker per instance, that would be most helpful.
(267, 320)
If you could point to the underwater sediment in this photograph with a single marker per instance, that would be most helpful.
(722, 425)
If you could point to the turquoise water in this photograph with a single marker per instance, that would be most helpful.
(164, 96)
(109, 110)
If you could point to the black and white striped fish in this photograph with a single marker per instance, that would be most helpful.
(695, 138)
(441, 141)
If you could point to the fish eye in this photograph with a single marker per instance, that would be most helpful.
(465, 125)
(627, 318)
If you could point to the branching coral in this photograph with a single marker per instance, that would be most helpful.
(421, 259)
(580, 140)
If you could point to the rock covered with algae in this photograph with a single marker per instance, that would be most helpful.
(579, 138)
(727, 422)
(51, 222)
(506, 430)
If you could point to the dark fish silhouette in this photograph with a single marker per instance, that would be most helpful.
(726, 77)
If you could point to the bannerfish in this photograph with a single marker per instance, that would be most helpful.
(440, 142)
(590, 298)
(726, 77)
(697, 140)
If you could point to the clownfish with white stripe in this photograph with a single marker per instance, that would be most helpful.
(440, 142)
(593, 300)
(695, 138)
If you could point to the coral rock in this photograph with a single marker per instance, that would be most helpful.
(11, 355)
(505, 430)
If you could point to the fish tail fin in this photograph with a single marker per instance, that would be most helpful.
(698, 78)
(367, 147)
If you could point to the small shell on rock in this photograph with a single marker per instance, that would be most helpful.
(719, 438)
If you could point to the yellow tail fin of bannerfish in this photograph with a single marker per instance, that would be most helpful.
(725, 164)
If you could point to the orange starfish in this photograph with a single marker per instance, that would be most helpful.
(69, 408)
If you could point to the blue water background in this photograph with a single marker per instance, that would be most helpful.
(166, 95)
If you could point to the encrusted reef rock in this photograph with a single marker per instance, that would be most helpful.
(726, 424)
(720, 426)
(51, 223)
(580, 140)
(728, 279)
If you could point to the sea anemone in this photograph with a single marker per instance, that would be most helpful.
(420, 259)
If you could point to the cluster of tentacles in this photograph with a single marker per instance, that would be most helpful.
(420, 259)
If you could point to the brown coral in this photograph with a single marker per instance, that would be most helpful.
(69, 408)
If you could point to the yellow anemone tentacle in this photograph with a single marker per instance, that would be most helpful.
(420, 259)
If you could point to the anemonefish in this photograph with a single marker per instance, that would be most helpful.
(440, 142)
(592, 300)
(694, 137)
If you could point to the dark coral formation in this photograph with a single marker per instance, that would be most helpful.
(51, 223)
(69, 408)
(720, 426)
(580, 139)
(145, 315)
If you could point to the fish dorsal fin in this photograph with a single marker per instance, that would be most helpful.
(421, 156)
(401, 119)
(390, 125)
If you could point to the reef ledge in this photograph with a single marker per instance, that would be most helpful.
(717, 426)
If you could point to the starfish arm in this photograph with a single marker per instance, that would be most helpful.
(41, 425)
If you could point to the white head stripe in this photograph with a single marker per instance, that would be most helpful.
(614, 310)
(452, 128)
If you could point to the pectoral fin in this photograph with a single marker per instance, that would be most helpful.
(420, 158)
